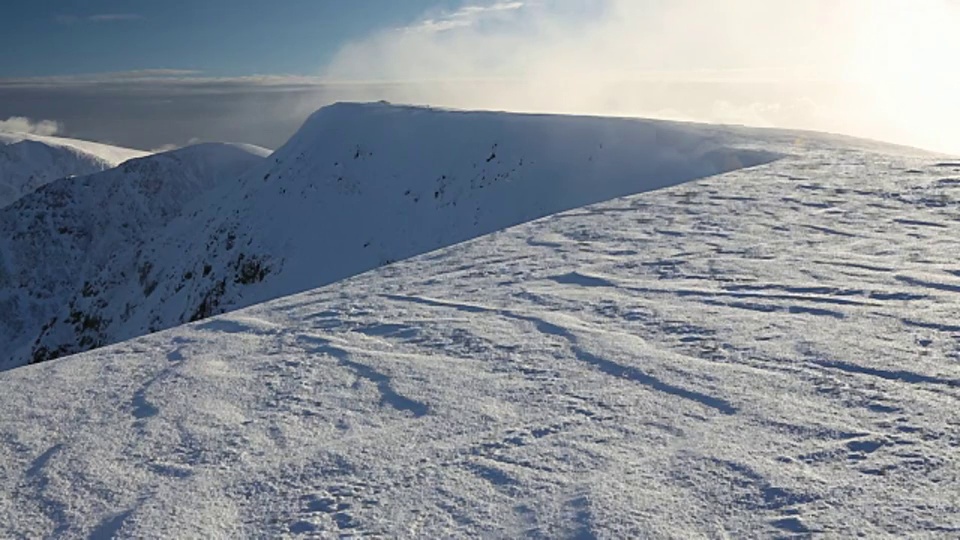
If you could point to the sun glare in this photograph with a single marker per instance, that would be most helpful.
(906, 65)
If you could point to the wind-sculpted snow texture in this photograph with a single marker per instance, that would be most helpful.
(768, 353)
(54, 241)
(30, 161)
(364, 185)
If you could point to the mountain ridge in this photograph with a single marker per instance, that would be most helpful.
(363, 185)
(57, 237)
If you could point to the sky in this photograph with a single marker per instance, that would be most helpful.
(217, 37)
(159, 74)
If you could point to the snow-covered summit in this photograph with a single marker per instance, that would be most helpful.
(363, 185)
(55, 240)
(28, 161)
(393, 181)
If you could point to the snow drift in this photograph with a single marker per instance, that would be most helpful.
(364, 185)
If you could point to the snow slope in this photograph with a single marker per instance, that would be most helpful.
(29, 161)
(363, 185)
(767, 353)
(56, 239)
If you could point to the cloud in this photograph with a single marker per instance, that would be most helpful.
(736, 61)
(152, 108)
(98, 18)
(113, 17)
(603, 39)
(21, 124)
(147, 79)
(469, 15)
(776, 63)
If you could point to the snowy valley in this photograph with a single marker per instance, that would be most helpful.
(487, 325)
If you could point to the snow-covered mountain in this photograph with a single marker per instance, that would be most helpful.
(29, 161)
(55, 240)
(767, 353)
(363, 185)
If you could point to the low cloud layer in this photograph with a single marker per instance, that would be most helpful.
(163, 109)
(465, 17)
(20, 124)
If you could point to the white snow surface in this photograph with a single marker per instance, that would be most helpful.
(52, 241)
(252, 149)
(29, 161)
(771, 352)
(363, 185)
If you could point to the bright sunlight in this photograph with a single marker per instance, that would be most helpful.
(906, 64)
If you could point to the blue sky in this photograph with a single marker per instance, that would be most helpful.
(218, 37)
